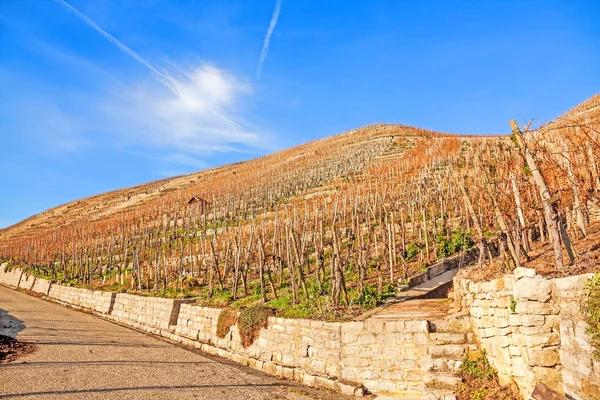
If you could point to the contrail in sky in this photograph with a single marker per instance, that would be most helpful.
(162, 77)
(265, 49)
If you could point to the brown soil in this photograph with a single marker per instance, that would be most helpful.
(542, 259)
(480, 382)
(11, 348)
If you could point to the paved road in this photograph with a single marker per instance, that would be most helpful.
(80, 356)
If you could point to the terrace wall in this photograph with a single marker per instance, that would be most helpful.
(346, 357)
(533, 330)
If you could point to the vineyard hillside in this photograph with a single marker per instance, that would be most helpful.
(331, 228)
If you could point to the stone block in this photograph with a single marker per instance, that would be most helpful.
(541, 340)
(535, 308)
(366, 338)
(352, 327)
(542, 357)
(521, 272)
(346, 389)
(533, 289)
(374, 326)
(349, 373)
(502, 341)
(368, 374)
(405, 363)
(356, 362)
(576, 363)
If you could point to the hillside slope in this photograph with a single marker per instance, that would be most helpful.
(329, 228)
(300, 168)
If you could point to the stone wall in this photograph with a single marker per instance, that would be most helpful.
(10, 278)
(155, 312)
(386, 356)
(89, 300)
(532, 330)
(383, 357)
(580, 372)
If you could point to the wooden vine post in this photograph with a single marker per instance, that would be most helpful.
(550, 215)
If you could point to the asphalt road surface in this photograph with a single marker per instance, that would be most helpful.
(81, 356)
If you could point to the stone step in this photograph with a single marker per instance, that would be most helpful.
(455, 352)
(442, 380)
(441, 365)
(452, 324)
(451, 338)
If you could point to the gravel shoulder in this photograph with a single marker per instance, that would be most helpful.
(81, 356)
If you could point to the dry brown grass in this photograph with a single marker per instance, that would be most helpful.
(227, 318)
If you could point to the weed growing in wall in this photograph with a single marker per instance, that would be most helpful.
(513, 304)
(252, 320)
(592, 312)
(227, 318)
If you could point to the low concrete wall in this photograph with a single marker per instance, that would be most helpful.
(532, 330)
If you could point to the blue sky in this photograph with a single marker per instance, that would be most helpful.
(178, 87)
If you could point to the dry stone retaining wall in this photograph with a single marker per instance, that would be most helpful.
(580, 371)
(155, 312)
(388, 357)
(90, 300)
(532, 330)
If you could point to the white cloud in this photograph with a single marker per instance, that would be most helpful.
(190, 112)
(193, 121)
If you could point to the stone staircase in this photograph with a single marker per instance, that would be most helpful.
(451, 341)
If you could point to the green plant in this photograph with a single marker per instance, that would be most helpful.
(368, 298)
(227, 318)
(411, 251)
(252, 319)
(513, 303)
(479, 381)
(459, 241)
(478, 368)
(592, 312)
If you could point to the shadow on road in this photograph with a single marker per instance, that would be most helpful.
(10, 347)
(9, 325)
